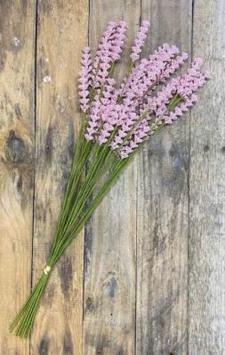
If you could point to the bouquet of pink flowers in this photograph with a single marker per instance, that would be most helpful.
(115, 121)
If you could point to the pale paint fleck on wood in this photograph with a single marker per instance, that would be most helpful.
(207, 189)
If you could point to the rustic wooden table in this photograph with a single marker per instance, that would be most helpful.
(147, 275)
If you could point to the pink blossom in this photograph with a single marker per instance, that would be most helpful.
(184, 87)
(138, 135)
(94, 119)
(109, 51)
(139, 41)
(157, 68)
(122, 117)
(85, 79)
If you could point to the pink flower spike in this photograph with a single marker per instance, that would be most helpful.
(85, 79)
(118, 41)
(109, 51)
(139, 41)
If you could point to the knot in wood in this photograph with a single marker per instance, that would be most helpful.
(15, 148)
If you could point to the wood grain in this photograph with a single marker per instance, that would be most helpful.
(62, 32)
(16, 163)
(162, 219)
(110, 242)
(207, 189)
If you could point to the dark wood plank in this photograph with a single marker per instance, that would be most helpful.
(17, 31)
(162, 219)
(62, 32)
(207, 188)
(109, 295)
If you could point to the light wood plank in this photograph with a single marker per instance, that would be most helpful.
(207, 189)
(110, 248)
(17, 24)
(62, 32)
(162, 219)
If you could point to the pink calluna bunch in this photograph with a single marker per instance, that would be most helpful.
(122, 116)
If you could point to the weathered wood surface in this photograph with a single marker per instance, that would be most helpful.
(207, 189)
(147, 275)
(110, 248)
(61, 34)
(17, 25)
(162, 205)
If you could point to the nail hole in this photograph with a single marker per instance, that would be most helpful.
(206, 148)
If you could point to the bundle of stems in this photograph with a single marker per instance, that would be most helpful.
(115, 122)
(87, 186)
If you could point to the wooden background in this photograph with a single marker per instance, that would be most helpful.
(147, 275)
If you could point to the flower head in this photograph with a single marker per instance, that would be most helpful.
(151, 96)
(139, 41)
(109, 51)
(85, 79)
(179, 95)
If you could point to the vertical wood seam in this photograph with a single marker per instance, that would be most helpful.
(84, 228)
(103, 338)
(34, 140)
(136, 236)
(188, 183)
(187, 41)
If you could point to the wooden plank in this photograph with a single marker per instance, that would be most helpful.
(62, 32)
(207, 188)
(109, 295)
(17, 19)
(162, 227)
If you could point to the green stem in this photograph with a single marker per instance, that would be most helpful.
(23, 322)
(81, 220)
(87, 188)
(74, 178)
